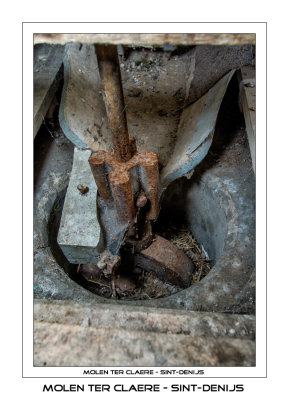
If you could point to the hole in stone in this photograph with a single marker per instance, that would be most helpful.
(191, 217)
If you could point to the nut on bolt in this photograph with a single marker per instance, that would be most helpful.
(82, 188)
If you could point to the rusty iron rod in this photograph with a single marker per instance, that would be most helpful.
(109, 71)
(120, 184)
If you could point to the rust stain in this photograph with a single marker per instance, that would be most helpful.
(108, 264)
(121, 189)
(123, 173)
(109, 71)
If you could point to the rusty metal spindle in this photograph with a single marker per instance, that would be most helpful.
(112, 174)
(114, 102)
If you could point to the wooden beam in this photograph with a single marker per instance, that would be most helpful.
(46, 69)
(144, 39)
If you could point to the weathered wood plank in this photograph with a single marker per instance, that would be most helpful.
(60, 345)
(46, 69)
(148, 38)
(247, 82)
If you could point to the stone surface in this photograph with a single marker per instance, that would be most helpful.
(213, 62)
(157, 86)
(79, 231)
(195, 133)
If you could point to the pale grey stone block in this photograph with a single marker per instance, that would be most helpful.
(79, 232)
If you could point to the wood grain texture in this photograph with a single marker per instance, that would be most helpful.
(148, 38)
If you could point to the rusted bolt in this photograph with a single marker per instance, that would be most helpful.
(82, 188)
